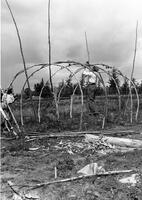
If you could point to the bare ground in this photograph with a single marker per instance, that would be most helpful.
(26, 167)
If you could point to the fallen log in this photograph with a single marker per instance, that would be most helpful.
(38, 135)
(82, 133)
(123, 142)
(56, 136)
(6, 138)
(109, 173)
(105, 132)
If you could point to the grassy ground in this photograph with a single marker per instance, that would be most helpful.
(49, 118)
(23, 166)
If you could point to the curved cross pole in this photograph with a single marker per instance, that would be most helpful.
(138, 100)
(55, 63)
(55, 98)
(56, 103)
(21, 112)
(82, 100)
(120, 73)
(45, 65)
(118, 91)
(77, 71)
(22, 71)
(81, 67)
(72, 96)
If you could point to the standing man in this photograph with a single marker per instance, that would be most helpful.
(90, 83)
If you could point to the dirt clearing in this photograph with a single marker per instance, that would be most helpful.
(28, 163)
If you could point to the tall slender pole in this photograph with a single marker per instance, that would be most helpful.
(134, 58)
(87, 48)
(49, 47)
(135, 51)
(22, 54)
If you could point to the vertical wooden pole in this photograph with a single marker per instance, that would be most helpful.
(49, 47)
(22, 54)
(134, 58)
(87, 48)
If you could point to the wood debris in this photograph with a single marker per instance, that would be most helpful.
(109, 173)
(124, 142)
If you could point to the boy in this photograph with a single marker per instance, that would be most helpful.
(6, 99)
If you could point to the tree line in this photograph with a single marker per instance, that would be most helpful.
(67, 87)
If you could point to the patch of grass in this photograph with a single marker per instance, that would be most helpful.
(49, 119)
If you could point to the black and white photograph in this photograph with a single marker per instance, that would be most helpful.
(71, 100)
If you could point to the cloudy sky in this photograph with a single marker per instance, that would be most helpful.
(110, 27)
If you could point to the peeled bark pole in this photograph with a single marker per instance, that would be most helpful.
(109, 173)
(123, 142)
(22, 54)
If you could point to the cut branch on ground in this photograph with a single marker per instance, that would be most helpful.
(109, 173)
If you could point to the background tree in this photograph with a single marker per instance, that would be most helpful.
(68, 88)
(99, 90)
(136, 85)
(27, 93)
(140, 88)
(46, 92)
(60, 85)
(38, 87)
(125, 87)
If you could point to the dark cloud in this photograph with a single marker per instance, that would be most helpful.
(107, 50)
(74, 51)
